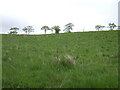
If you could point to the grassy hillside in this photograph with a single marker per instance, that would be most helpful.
(69, 60)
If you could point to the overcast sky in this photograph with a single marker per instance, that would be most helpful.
(82, 13)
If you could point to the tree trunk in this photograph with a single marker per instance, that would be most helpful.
(56, 32)
(45, 31)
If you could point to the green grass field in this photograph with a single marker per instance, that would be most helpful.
(68, 60)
